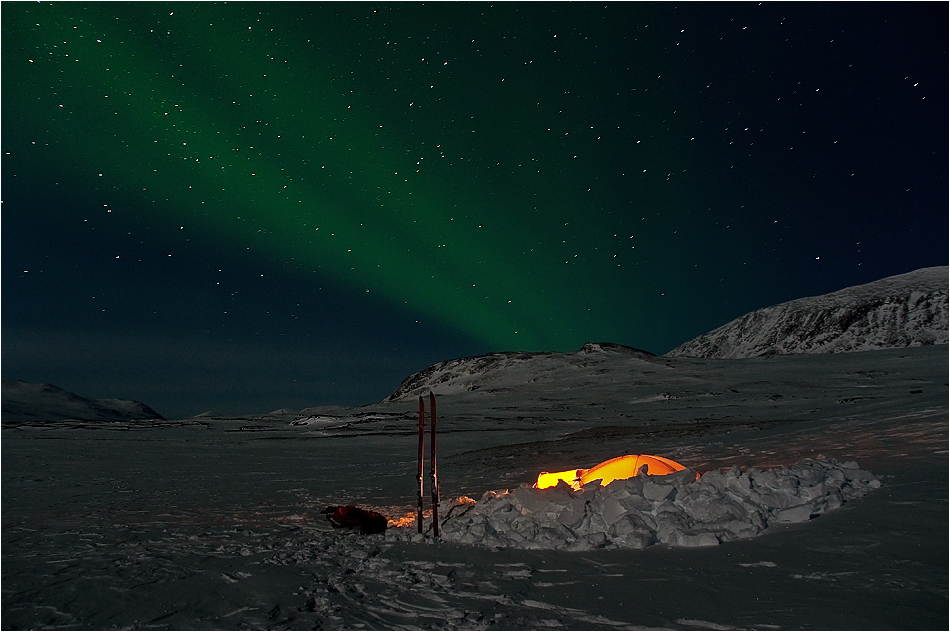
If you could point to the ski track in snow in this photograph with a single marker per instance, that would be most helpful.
(341, 580)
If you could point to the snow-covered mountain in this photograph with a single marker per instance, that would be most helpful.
(907, 310)
(501, 370)
(24, 401)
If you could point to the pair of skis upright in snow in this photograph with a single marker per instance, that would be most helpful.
(433, 467)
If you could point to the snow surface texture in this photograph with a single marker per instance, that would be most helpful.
(907, 310)
(23, 402)
(676, 509)
(215, 523)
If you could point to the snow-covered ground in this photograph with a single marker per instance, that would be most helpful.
(215, 523)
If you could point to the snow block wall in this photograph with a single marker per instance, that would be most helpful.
(676, 509)
(907, 310)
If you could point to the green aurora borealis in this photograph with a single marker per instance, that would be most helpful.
(499, 177)
(336, 181)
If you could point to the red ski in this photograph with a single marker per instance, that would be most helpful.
(434, 470)
(433, 467)
(422, 415)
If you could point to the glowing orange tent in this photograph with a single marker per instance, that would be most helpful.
(615, 469)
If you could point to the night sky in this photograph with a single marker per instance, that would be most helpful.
(246, 207)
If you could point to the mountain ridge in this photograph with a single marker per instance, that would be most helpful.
(26, 402)
(904, 310)
(898, 311)
(473, 372)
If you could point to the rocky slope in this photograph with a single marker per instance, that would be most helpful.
(907, 310)
(25, 402)
(477, 372)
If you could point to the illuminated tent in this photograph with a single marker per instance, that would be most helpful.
(615, 469)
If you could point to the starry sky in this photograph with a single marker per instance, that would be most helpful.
(244, 207)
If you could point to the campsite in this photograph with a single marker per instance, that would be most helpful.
(475, 316)
(218, 523)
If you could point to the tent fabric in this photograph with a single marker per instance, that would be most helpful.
(618, 468)
(623, 467)
(550, 479)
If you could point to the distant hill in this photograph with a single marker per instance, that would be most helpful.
(505, 369)
(907, 310)
(23, 401)
(902, 311)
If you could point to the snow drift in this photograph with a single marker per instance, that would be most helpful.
(907, 310)
(676, 509)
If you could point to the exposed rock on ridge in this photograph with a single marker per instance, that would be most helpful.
(472, 373)
(907, 310)
(900, 311)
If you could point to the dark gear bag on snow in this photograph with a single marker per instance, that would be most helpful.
(350, 516)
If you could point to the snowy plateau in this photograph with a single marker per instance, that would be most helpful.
(821, 500)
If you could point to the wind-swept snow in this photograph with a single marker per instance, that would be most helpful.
(907, 310)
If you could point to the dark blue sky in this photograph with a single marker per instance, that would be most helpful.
(246, 207)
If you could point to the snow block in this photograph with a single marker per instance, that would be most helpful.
(657, 491)
(801, 513)
(677, 509)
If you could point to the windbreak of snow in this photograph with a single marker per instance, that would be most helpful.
(907, 310)
(676, 509)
